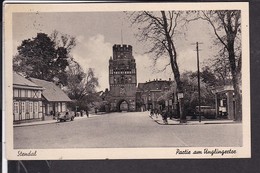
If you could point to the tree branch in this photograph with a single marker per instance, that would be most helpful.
(215, 30)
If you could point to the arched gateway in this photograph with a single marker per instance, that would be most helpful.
(122, 106)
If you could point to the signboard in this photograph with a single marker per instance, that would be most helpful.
(180, 95)
(166, 103)
(170, 102)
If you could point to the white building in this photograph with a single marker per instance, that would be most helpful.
(27, 99)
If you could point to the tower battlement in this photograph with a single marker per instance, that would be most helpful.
(122, 51)
(120, 47)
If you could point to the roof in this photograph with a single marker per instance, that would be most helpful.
(20, 81)
(156, 85)
(51, 92)
(140, 87)
(225, 88)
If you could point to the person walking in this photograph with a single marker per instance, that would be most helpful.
(156, 112)
(165, 116)
(152, 112)
(87, 113)
(81, 113)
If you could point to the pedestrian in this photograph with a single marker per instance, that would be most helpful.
(81, 113)
(171, 114)
(51, 114)
(156, 112)
(58, 117)
(165, 116)
(151, 112)
(87, 112)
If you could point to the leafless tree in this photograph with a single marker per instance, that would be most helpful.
(219, 66)
(226, 25)
(158, 29)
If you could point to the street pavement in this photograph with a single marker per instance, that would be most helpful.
(125, 130)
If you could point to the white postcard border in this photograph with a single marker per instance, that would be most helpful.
(123, 153)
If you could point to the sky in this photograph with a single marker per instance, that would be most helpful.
(97, 32)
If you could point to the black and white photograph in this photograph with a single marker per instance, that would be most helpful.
(127, 81)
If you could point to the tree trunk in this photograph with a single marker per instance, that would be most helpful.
(173, 56)
(238, 98)
(235, 81)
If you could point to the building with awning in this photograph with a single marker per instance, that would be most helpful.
(54, 99)
(225, 102)
(27, 99)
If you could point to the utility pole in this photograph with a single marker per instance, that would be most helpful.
(198, 69)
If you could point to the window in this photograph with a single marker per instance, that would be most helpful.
(29, 93)
(22, 93)
(16, 106)
(27, 106)
(23, 107)
(16, 93)
(35, 107)
(39, 94)
(31, 106)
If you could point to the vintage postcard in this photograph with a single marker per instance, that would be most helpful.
(126, 81)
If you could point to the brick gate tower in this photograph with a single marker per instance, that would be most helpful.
(122, 79)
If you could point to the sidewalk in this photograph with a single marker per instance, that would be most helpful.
(51, 121)
(174, 121)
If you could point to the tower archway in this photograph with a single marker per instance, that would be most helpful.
(122, 105)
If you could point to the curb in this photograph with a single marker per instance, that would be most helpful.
(35, 123)
(49, 122)
(194, 123)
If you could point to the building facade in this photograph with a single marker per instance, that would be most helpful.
(157, 94)
(122, 79)
(54, 99)
(27, 100)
